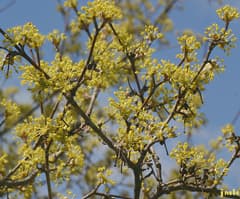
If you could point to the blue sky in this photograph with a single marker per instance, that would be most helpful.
(222, 96)
(42, 13)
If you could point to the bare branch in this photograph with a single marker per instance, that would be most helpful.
(15, 183)
(91, 193)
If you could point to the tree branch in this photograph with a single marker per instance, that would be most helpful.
(15, 183)
(91, 193)
(93, 99)
(179, 187)
(98, 131)
(47, 170)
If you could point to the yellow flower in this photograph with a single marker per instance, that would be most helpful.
(228, 129)
(228, 13)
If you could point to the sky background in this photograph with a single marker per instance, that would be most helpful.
(222, 96)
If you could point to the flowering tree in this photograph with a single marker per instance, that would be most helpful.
(69, 138)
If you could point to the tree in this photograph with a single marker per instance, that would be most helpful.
(69, 139)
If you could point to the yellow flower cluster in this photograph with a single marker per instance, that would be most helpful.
(36, 133)
(71, 3)
(3, 163)
(189, 45)
(221, 37)
(56, 38)
(231, 141)
(27, 34)
(104, 9)
(63, 74)
(183, 153)
(197, 160)
(11, 111)
(137, 126)
(103, 176)
(178, 76)
(108, 69)
(228, 13)
(228, 130)
(124, 110)
(151, 33)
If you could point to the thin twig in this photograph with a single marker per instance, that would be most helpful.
(112, 196)
(92, 101)
(91, 193)
(16, 183)
(47, 170)
(7, 5)
(90, 56)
